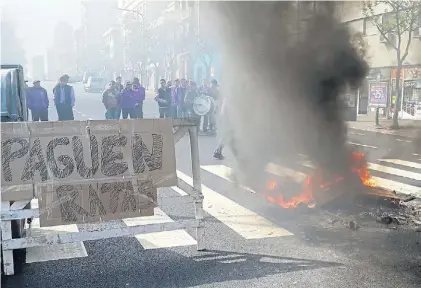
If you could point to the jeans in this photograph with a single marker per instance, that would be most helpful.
(117, 113)
(139, 110)
(110, 113)
(164, 112)
(129, 112)
(39, 115)
(174, 112)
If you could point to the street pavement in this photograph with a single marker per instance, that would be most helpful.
(258, 245)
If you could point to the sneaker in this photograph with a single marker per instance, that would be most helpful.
(218, 155)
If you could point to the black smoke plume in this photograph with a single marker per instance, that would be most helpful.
(283, 80)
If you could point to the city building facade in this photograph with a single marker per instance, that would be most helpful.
(38, 68)
(97, 18)
(383, 62)
(63, 51)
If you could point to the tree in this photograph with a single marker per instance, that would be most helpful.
(205, 51)
(396, 26)
(12, 51)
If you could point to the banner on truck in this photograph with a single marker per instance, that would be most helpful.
(90, 170)
(378, 94)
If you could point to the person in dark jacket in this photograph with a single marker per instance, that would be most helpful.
(64, 99)
(111, 100)
(139, 95)
(37, 101)
(119, 87)
(163, 97)
(128, 102)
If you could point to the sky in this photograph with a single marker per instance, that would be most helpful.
(34, 21)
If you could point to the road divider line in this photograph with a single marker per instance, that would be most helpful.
(165, 239)
(53, 252)
(403, 163)
(241, 220)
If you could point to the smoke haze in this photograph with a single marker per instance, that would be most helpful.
(283, 88)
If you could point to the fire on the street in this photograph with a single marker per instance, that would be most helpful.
(317, 182)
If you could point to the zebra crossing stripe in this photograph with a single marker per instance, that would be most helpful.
(403, 163)
(395, 171)
(283, 171)
(53, 252)
(164, 239)
(223, 172)
(278, 170)
(241, 220)
(397, 186)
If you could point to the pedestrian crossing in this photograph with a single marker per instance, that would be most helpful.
(244, 222)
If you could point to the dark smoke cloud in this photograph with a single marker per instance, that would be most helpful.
(283, 88)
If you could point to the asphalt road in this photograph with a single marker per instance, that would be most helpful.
(301, 249)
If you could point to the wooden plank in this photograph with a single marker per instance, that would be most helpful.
(6, 235)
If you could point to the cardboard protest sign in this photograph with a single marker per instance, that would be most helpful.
(80, 151)
(93, 201)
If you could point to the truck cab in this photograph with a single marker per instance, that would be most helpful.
(13, 96)
(14, 109)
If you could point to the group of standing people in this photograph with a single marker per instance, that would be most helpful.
(175, 99)
(126, 101)
(37, 100)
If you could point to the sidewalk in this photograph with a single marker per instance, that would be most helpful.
(149, 94)
(408, 128)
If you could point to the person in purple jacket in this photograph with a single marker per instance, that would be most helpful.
(64, 99)
(128, 102)
(37, 101)
(139, 94)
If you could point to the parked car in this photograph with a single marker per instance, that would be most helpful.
(74, 79)
(95, 85)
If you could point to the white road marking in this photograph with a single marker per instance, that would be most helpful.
(403, 163)
(53, 252)
(165, 239)
(223, 172)
(179, 191)
(243, 221)
(356, 133)
(403, 140)
(283, 171)
(415, 154)
(397, 186)
(394, 171)
(363, 145)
